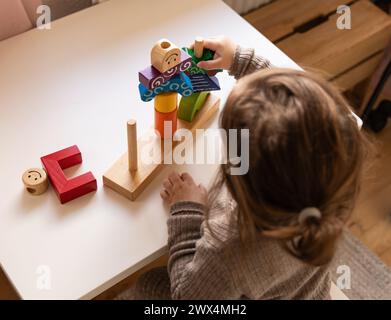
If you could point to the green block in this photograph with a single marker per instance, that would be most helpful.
(189, 106)
(207, 55)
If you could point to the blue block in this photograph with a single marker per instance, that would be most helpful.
(203, 82)
(181, 84)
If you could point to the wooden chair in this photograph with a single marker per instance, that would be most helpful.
(307, 32)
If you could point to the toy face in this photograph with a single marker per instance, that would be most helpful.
(35, 180)
(171, 60)
(165, 55)
(34, 177)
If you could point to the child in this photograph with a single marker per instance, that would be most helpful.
(272, 235)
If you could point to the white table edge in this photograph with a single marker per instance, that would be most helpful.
(124, 274)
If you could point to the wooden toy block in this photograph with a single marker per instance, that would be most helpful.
(165, 55)
(180, 83)
(166, 123)
(132, 144)
(68, 189)
(131, 184)
(166, 102)
(198, 47)
(189, 106)
(203, 82)
(207, 55)
(151, 78)
(35, 180)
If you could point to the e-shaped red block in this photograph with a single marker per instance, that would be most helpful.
(68, 189)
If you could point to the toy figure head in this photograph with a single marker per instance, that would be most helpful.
(165, 55)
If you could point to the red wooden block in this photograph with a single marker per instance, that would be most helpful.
(68, 189)
(166, 123)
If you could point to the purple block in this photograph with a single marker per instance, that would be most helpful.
(151, 78)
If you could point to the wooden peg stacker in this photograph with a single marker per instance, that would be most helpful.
(129, 175)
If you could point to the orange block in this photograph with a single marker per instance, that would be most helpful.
(166, 102)
(166, 123)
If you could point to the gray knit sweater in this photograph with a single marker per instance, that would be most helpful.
(212, 264)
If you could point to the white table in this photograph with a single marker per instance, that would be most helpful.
(77, 84)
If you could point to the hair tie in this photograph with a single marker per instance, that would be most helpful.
(310, 212)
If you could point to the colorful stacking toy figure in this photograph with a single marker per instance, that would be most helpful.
(168, 75)
(174, 71)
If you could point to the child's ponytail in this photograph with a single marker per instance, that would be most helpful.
(317, 240)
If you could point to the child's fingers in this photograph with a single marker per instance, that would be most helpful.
(210, 64)
(164, 195)
(187, 178)
(212, 44)
(167, 185)
(174, 178)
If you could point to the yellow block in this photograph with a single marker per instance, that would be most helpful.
(166, 102)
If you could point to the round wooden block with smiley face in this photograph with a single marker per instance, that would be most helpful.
(165, 55)
(35, 180)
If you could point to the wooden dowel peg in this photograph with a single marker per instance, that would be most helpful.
(199, 47)
(132, 145)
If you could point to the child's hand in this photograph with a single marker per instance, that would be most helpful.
(182, 188)
(224, 53)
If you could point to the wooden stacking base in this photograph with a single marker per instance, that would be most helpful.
(131, 183)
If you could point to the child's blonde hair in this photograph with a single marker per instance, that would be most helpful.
(306, 150)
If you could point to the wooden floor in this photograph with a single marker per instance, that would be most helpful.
(371, 220)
